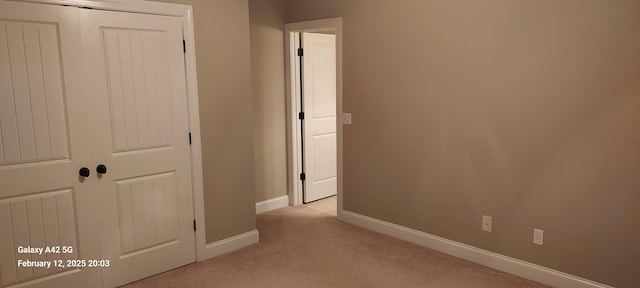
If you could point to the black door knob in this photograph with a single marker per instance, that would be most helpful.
(84, 172)
(101, 169)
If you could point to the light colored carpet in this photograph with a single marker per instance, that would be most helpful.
(302, 247)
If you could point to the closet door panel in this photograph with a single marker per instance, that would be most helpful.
(135, 66)
(43, 143)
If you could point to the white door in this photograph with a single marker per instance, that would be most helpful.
(134, 65)
(43, 132)
(319, 102)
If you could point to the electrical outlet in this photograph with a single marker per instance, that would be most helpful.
(538, 236)
(487, 223)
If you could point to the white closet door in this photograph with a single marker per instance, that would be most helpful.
(136, 86)
(43, 201)
(319, 92)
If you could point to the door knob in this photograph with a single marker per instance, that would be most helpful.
(101, 169)
(84, 172)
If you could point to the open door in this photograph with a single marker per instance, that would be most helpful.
(319, 107)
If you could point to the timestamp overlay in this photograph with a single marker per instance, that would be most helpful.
(57, 263)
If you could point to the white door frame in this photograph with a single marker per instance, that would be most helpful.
(293, 94)
(186, 13)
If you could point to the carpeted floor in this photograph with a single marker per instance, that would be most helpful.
(303, 247)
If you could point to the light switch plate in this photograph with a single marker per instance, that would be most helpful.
(346, 118)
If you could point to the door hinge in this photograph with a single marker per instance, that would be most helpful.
(189, 138)
(303, 176)
(301, 115)
(300, 52)
(194, 224)
(184, 46)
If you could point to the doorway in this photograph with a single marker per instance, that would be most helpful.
(314, 99)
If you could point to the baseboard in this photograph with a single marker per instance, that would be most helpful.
(231, 244)
(496, 261)
(272, 204)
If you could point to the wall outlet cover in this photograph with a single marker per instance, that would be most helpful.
(538, 236)
(487, 224)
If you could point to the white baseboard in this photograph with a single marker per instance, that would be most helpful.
(231, 244)
(496, 261)
(272, 204)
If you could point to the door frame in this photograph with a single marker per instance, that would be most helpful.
(186, 13)
(292, 89)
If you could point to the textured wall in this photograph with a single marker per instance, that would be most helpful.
(224, 90)
(527, 111)
(267, 62)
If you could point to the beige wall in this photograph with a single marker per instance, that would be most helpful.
(267, 61)
(527, 111)
(224, 88)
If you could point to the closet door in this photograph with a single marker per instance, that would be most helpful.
(136, 81)
(44, 203)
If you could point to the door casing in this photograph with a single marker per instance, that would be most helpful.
(292, 90)
(185, 12)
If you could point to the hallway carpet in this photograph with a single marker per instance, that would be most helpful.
(302, 247)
